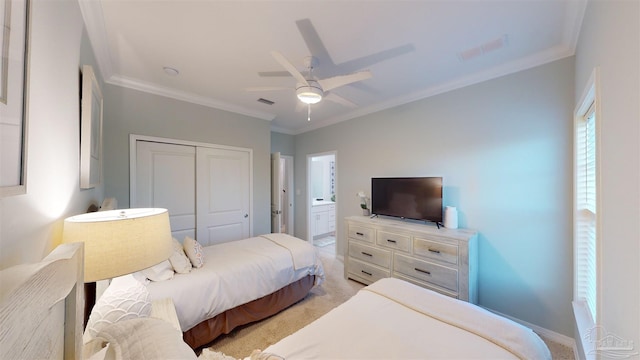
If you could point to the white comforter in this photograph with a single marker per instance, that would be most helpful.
(235, 273)
(393, 319)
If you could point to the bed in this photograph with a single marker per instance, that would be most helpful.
(41, 307)
(392, 318)
(240, 282)
(41, 312)
(41, 315)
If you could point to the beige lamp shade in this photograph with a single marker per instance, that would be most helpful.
(120, 242)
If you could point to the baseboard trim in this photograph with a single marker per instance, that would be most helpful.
(551, 335)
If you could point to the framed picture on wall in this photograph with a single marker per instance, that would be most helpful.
(90, 130)
(14, 80)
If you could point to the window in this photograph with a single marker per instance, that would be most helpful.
(586, 214)
(585, 211)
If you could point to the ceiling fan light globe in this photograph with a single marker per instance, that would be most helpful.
(309, 98)
(309, 94)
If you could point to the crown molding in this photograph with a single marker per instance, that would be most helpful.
(540, 58)
(94, 23)
(155, 89)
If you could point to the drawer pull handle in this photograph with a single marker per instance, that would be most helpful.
(366, 273)
(367, 254)
(434, 251)
(359, 234)
(422, 271)
(391, 241)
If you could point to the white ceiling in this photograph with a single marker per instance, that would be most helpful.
(414, 49)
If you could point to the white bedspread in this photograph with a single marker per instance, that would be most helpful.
(233, 274)
(387, 321)
(300, 254)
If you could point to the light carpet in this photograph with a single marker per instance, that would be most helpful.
(241, 342)
(333, 292)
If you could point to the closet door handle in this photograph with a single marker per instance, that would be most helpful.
(359, 234)
(366, 273)
(422, 271)
(434, 251)
(367, 254)
(391, 241)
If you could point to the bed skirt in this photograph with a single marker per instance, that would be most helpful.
(206, 331)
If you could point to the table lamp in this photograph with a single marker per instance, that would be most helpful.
(119, 242)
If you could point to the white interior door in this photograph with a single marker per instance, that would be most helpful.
(223, 195)
(165, 178)
(276, 193)
(286, 170)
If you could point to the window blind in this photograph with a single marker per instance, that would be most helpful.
(585, 230)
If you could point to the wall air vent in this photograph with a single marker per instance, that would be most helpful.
(265, 101)
(487, 47)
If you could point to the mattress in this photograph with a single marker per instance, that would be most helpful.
(395, 319)
(236, 273)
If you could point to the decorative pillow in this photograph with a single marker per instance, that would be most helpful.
(194, 251)
(146, 338)
(125, 298)
(179, 260)
(159, 272)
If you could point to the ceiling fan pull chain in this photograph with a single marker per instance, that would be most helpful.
(308, 112)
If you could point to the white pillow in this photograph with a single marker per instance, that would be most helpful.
(125, 298)
(179, 260)
(146, 338)
(194, 251)
(159, 272)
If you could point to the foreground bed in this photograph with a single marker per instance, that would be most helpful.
(240, 282)
(395, 319)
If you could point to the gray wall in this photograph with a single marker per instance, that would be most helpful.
(283, 143)
(31, 224)
(504, 149)
(129, 111)
(610, 40)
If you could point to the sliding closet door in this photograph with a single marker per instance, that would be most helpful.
(165, 177)
(223, 195)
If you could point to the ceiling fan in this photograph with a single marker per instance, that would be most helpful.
(311, 90)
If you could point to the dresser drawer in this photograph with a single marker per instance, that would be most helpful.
(362, 233)
(436, 250)
(427, 271)
(370, 254)
(394, 241)
(367, 272)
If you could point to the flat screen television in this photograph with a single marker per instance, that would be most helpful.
(417, 198)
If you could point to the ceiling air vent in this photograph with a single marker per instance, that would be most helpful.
(265, 101)
(487, 47)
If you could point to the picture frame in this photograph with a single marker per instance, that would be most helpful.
(15, 20)
(90, 130)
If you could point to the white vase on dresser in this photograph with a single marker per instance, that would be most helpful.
(450, 217)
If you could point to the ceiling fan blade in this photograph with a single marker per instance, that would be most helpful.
(289, 67)
(266, 88)
(340, 80)
(313, 41)
(273, 73)
(340, 100)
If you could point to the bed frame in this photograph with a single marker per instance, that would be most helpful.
(41, 307)
(207, 331)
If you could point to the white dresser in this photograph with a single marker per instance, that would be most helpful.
(442, 259)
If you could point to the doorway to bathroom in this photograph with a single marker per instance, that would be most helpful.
(321, 191)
